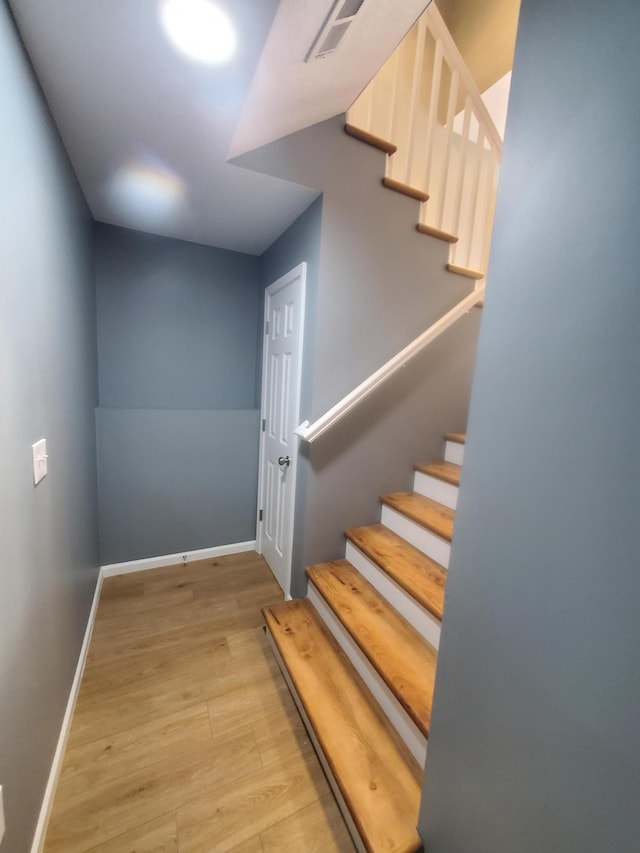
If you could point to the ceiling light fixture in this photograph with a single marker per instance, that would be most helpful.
(199, 29)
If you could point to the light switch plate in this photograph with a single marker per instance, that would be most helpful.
(39, 450)
(1, 816)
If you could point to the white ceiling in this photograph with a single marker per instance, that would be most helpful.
(149, 132)
(288, 94)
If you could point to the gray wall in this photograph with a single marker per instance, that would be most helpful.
(177, 424)
(48, 389)
(380, 284)
(534, 743)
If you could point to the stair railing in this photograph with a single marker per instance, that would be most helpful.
(425, 102)
(309, 432)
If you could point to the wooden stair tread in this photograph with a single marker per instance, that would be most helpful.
(466, 271)
(430, 514)
(457, 437)
(403, 659)
(438, 233)
(377, 777)
(417, 574)
(370, 139)
(449, 472)
(405, 189)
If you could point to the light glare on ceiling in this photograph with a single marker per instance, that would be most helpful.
(146, 193)
(199, 29)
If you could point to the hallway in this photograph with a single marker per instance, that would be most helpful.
(185, 737)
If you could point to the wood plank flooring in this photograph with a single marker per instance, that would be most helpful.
(185, 738)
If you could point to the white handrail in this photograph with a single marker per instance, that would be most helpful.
(309, 432)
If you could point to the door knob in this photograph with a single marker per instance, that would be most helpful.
(284, 461)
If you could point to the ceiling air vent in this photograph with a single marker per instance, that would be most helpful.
(334, 30)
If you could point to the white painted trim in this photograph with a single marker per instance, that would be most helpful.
(454, 452)
(417, 535)
(310, 432)
(175, 559)
(390, 706)
(416, 615)
(346, 814)
(56, 765)
(299, 272)
(436, 489)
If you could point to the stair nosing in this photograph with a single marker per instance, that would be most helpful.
(312, 574)
(397, 746)
(456, 437)
(431, 527)
(370, 139)
(437, 233)
(434, 568)
(405, 189)
(426, 468)
(467, 272)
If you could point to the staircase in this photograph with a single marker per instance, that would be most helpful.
(416, 194)
(359, 655)
(424, 111)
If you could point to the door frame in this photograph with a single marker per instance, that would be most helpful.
(298, 272)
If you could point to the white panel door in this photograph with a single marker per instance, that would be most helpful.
(281, 374)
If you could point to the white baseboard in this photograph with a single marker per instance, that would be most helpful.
(176, 559)
(107, 571)
(56, 766)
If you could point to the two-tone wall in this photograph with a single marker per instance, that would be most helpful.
(48, 389)
(178, 419)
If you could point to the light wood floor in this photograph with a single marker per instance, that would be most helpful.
(185, 738)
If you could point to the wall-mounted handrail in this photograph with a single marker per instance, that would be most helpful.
(309, 432)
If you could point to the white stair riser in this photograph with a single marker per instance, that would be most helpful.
(424, 622)
(393, 710)
(421, 538)
(357, 840)
(436, 489)
(454, 452)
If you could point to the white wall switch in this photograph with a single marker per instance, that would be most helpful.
(1, 816)
(39, 450)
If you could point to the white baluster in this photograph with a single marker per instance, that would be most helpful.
(416, 80)
(446, 166)
(488, 226)
(460, 178)
(433, 109)
(476, 165)
(393, 100)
